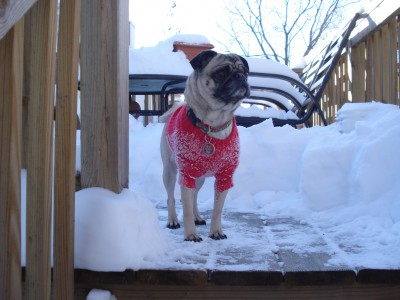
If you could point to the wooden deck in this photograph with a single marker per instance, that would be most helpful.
(265, 266)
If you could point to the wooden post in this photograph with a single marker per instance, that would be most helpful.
(42, 21)
(11, 72)
(65, 149)
(104, 94)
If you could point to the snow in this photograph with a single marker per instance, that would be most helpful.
(108, 223)
(341, 179)
(96, 294)
(160, 59)
(192, 39)
(254, 111)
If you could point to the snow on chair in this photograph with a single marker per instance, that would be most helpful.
(275, 85)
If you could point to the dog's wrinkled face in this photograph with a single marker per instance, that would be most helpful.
(222, 76)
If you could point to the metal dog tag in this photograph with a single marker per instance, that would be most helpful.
(208, 148)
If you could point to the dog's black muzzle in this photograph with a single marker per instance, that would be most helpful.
(233, 89)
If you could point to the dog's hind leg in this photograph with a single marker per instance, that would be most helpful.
(198, 220)
(169, 179)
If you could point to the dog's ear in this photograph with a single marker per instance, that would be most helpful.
(245, 63)
(202, 59)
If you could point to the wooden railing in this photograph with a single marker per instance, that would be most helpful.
(369, 68)
(28, 35)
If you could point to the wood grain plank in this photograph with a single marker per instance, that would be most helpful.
(308, 264)
(11, 72)
(213, 291)
(393, 88)
(42, 20)
(378, 92)
(379, 276)
(65, 148)
(385, 62)
(104, 94)
(397, 34)
(370, 69)
(358, 73)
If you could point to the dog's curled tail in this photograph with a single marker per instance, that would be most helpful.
(164, 118)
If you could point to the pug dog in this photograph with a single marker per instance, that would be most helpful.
(200, 138)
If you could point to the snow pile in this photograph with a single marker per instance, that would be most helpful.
(160, 59)
(114, 232)
(340, 164)
(191, 39)
(342, 179)
(96, 294)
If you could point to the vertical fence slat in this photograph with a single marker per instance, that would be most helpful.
(42, 20)
(385, 64)
(370, 69)
(28, 37)
(358, 73)
(345, 83)
(347, 86)
(65, 148)
(377, 66)
(397, 38)
(11, 72)
(392, 60)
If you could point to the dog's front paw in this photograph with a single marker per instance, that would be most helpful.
(193, 238)
(218, 236)
(173, 225)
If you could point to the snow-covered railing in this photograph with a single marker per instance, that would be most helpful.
(367, 69)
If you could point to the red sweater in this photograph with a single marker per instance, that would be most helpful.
(187, 141)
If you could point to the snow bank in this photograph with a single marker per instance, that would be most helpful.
(351, 161)
(159, 60)
(96, 294)
(361, 164)
(342, 179)
(114, 232)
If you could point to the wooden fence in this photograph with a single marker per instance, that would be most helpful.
(369, 68)
(29, 32)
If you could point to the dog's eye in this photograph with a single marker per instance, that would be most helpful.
(221, 74)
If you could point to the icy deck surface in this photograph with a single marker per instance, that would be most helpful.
(260, 250)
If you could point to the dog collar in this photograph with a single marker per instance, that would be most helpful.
(204, 127)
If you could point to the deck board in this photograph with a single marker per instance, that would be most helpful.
(313, 260)
(263, 264)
